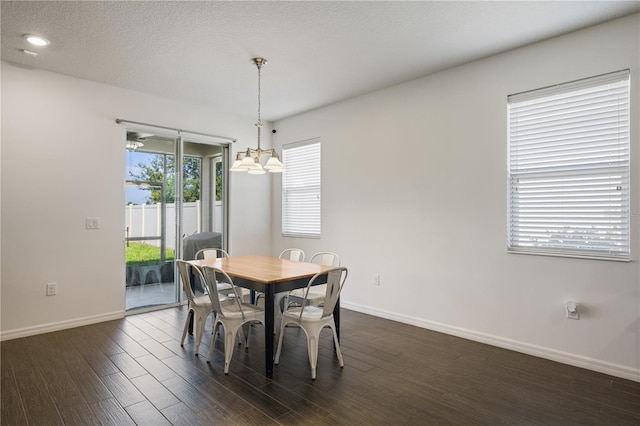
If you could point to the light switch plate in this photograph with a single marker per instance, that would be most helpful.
(52, 289)
(93, 223)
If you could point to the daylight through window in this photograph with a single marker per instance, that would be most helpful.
(301, 189)
(569, 169)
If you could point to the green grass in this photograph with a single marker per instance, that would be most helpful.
(141, 254)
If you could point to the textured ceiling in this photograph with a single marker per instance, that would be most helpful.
(319, 52)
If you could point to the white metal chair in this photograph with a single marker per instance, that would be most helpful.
(295, 254)
(315, 296)
(232, 316)
(216, 253)
(200, 306)
(312, 319)
(211, 253)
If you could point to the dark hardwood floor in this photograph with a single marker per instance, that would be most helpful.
(133, 371)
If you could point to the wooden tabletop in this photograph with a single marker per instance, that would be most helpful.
(263, 269)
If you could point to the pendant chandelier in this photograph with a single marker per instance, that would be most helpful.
(249, 160)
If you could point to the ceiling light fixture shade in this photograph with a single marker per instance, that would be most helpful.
(133, 145)
(236, 166)
(249, 160)
(274, 165)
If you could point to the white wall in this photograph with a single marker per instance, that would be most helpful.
(414, 188)
(62, 149)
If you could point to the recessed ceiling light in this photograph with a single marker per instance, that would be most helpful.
(36, 40)
(29, 52)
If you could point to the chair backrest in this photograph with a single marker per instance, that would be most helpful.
(336, 278)
(211, 253)
(211, 277)
(326, 258)
(185, 268)
(295, 254)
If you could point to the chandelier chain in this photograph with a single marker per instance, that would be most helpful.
(259, 92)
(249, 161)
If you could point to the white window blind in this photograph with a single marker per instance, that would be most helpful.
(301, 189)
(569, 169)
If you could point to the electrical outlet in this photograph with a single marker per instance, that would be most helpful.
(376, 280)
(573, 315)
(52, 289)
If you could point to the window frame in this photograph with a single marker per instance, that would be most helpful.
(553, 159)
(302, 219)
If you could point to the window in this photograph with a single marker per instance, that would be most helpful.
(569, 169)
(301, 189)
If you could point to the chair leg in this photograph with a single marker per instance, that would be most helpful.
(257, 297)
(199, 332)
(312, 348)
(245, 332)
(186, 327)
(282, 325)
(337, 345)
(213, 340)
(229, 340)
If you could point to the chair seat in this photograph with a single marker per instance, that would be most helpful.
(224, 286)
(203, 301)
(221, 288)
(310, 313)
(233, 310)
(314, 297)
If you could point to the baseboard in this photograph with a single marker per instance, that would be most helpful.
(514, 345)
(61, 325)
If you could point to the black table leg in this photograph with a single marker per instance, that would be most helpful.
(336, 319)
(269, 301)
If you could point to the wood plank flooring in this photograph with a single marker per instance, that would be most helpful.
(133, 371)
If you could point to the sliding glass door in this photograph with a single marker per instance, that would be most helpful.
(167, 212)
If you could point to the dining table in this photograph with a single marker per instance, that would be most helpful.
(270, 275)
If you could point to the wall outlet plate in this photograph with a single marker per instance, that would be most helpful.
(572, 310)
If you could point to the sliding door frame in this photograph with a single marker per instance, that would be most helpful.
(180, 137)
